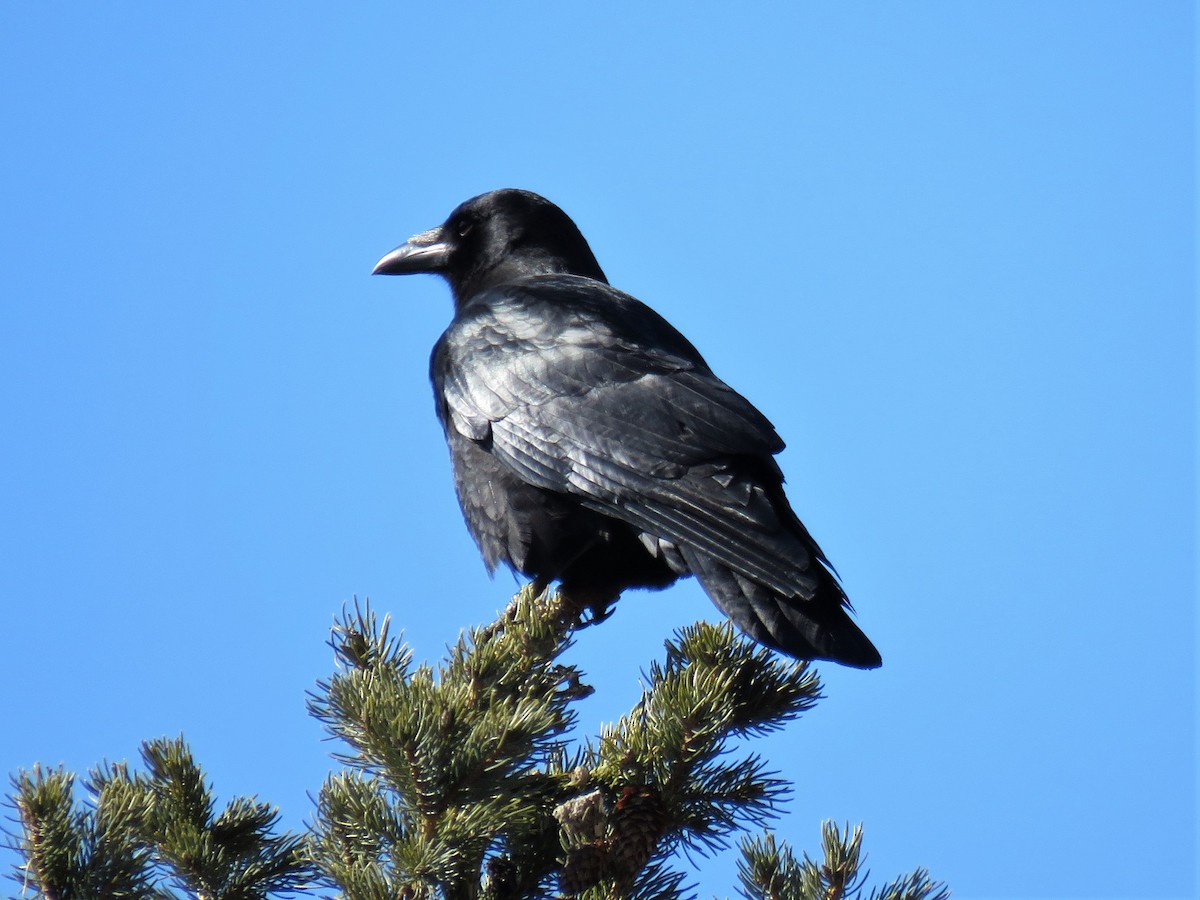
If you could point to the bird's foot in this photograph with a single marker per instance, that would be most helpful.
(585, 608)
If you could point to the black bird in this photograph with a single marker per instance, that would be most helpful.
(593, 446)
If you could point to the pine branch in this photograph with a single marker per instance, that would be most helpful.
(665, 768)
(228, 856)
(769, 871)
(73, 852)
(458, 785)
(448, 767)
(141, 835)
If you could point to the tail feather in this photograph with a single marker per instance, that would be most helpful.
(816, 628)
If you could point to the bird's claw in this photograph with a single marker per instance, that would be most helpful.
(595, 612)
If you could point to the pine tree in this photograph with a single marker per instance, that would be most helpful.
(460, 782)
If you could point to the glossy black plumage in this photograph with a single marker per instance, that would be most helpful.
(592, 445)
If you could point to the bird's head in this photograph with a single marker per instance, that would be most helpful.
(493, 239)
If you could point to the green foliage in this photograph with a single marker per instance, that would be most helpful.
(73, 853)
(151, 835)
(770, 871)
(666, 774)
(713, 689)
(446, 767)
(457, 782)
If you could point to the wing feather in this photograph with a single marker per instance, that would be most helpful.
(578, 388)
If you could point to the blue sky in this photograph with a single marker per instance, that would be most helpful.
(948, 248)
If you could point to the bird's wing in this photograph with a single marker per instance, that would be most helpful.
(578, 388)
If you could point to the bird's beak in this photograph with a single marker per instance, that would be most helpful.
(424, 252)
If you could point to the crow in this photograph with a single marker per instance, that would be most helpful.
(593, 446)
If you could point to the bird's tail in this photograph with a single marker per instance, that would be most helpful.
(817, 628)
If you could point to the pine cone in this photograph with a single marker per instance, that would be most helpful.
(501, 878)
(585, 867)
(638, 823)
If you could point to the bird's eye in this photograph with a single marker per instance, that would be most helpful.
(464, 228)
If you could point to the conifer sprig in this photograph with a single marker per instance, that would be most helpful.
(72, 851)
(770, 871)
(714, 687)
(665, 770)
(448, 766)
(151, 835)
